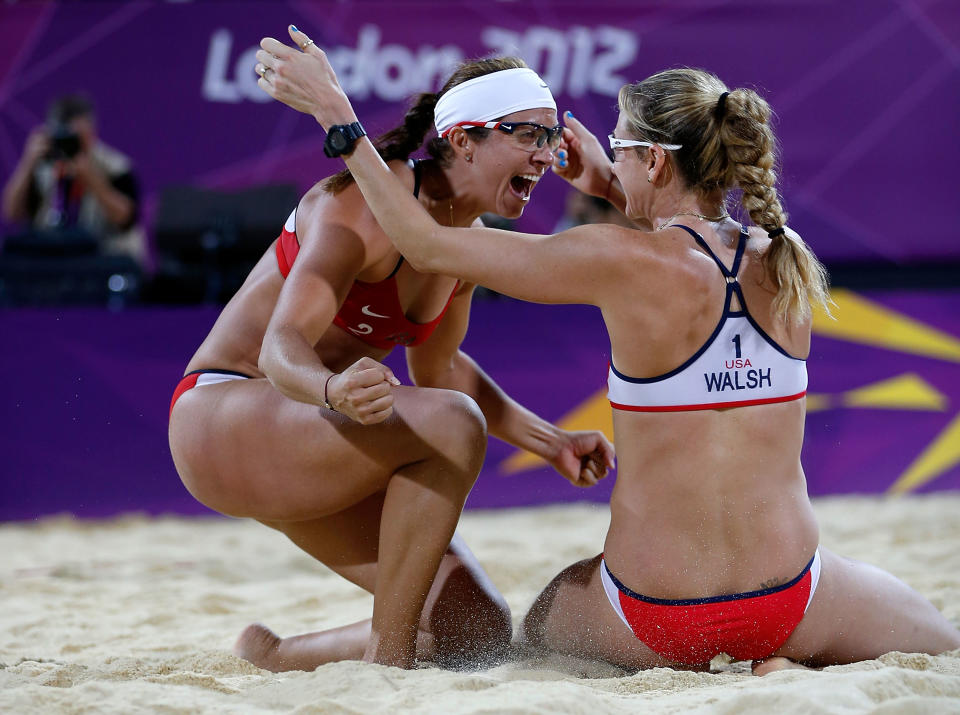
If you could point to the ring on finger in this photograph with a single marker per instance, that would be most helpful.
(306, 44)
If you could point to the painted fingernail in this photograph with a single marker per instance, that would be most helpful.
(569, 114)
(294, 28)
(563, 165)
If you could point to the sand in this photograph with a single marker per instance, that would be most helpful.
(138, 614)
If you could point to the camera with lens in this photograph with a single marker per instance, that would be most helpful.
(64, 143)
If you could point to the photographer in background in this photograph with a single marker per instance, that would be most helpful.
(77, 193)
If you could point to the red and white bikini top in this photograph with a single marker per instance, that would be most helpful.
(739, 365)
(371, 311)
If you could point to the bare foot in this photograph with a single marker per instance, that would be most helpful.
(261, 646)
(769, 665)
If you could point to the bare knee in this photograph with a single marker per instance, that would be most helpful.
(471, 623)
(455, 429)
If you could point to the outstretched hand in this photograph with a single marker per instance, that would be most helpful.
(584, 458)
(303, 79)
(581, 159)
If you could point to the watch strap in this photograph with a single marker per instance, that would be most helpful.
(350, 133)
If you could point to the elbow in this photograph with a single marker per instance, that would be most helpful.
(422, 259)
(267, 360)
(421, 264)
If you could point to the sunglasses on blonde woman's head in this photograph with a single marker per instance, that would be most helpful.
(616, 143)
(529, 135)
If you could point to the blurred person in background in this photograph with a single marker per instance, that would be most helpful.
(713, 545)
(75, 192)
(287, 415)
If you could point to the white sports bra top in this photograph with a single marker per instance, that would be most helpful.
(739, 365)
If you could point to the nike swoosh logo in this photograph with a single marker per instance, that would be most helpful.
(366, 311)
(544, 86)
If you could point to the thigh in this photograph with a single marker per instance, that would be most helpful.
(346, 542)
(860, 612)
(244, 449)
(573, 616)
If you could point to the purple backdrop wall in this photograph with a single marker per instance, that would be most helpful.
(867, 91)
(86, 395)
(868, 103)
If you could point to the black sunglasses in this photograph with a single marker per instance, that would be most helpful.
(530, 135)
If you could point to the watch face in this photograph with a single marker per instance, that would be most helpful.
(338, 141)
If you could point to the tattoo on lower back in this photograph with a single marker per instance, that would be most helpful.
(773, 583)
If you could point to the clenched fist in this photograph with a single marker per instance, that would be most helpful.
(363, 392)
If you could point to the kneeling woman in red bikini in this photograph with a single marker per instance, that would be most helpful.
(713, 545)
(286, 414)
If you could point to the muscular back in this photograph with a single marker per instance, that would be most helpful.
(719, 494)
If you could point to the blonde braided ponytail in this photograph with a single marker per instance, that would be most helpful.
(726, 143)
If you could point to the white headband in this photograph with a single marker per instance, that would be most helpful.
(491, 96)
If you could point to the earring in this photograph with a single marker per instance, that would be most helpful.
(469, 158)
(649, 178)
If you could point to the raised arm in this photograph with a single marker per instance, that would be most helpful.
(17, 188)
(572, 267)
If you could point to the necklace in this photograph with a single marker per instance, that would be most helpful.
(451, 212)
(690, 213)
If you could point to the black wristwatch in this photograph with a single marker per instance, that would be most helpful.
(341, 139)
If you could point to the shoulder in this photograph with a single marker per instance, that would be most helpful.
(673, 267)
(404, 170)
(657, 252)
(344, 217)
(614, 248)
(350, 198)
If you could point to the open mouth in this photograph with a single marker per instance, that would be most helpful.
(523, 184)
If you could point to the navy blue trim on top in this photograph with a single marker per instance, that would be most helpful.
(732, 287)
(709, 599)
(218, 372)
(741, 245)
(770, 341)
(728, 299)
(713, 336)
(735, 285)
(741, 249)
(685, 365)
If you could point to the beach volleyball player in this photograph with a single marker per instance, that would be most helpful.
(713, 545)
(287, 415)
